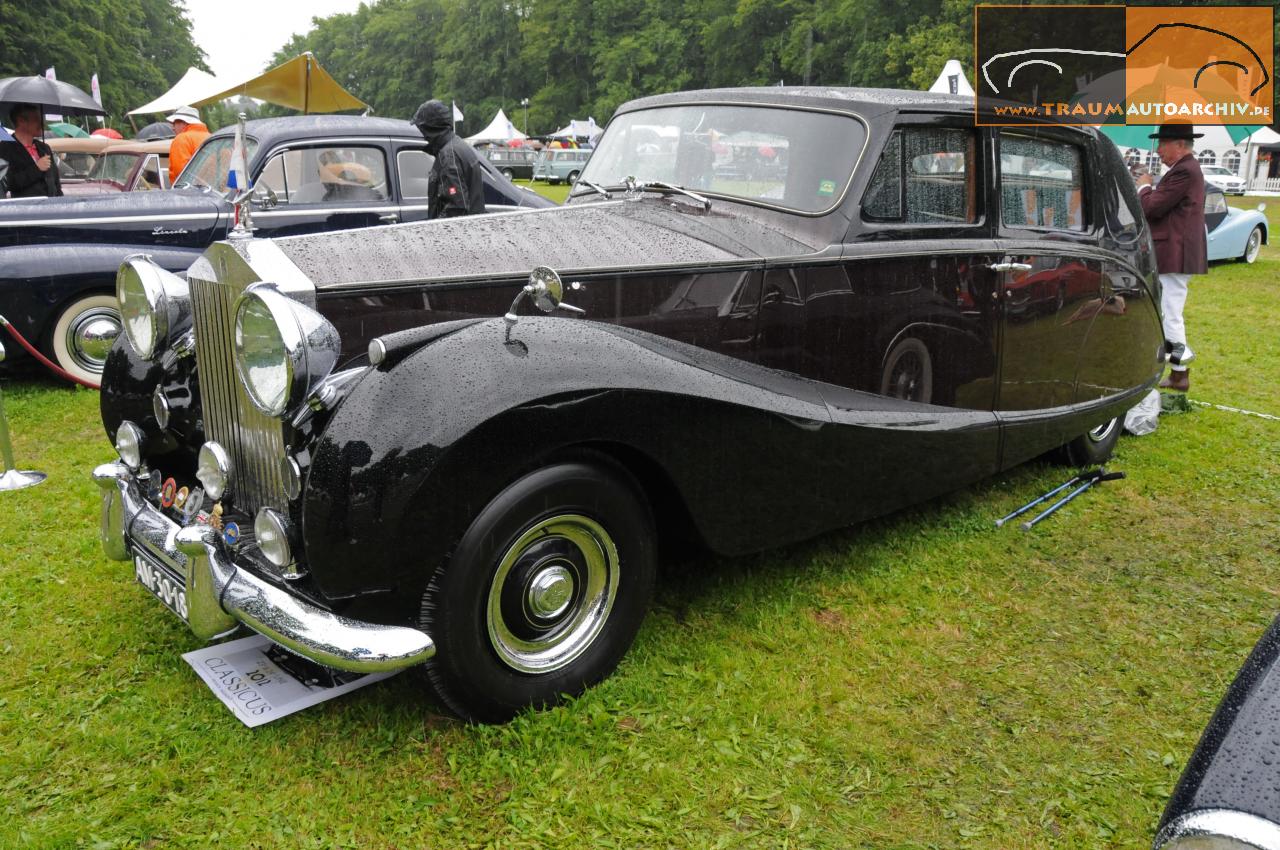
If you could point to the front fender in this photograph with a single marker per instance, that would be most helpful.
(415, 452)
(37, 280)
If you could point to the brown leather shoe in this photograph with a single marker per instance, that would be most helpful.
(1178, 381)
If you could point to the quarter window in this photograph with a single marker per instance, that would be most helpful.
(327, 175)
(925, 176)
(415, 174)
(1041, 184)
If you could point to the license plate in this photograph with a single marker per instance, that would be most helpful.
(164, 584)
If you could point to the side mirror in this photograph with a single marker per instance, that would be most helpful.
(545, 288)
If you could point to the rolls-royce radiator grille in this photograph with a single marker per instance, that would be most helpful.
(254, 441)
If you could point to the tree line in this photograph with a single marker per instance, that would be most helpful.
(579, 58)
(138, 48)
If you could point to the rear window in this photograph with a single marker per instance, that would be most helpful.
(1041, 184)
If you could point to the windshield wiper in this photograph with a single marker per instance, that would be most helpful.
(670, 189)
(600, 190)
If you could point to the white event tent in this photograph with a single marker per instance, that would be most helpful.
(500, 129)
(952, 80)
(588, 129)
(194, 85)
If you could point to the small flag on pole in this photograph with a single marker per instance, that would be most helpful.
(457, 113)
(97, 95)
(238, 176)
(50, 74)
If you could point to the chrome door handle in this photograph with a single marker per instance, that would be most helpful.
(391, 218)
(1010, 267)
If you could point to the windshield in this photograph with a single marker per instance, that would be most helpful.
(113, 167)
(783, 157)
(210, 165)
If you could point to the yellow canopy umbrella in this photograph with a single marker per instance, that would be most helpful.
(299, 84)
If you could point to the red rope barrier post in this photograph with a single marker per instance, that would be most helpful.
(34, 352)
(10, 478)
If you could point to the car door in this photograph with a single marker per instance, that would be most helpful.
(330, 185)
(1050, 273)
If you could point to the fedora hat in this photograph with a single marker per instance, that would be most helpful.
(184, 113)
(1183, 132)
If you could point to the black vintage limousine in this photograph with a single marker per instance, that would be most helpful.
(371, 448)
(59, 256)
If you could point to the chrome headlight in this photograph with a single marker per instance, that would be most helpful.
(213, 469)
(129, 439)
(154, 304)
(271, 530)
(284, 349)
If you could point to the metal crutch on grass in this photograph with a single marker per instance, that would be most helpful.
(1029, 505)
(10, 478)
(1091, 479)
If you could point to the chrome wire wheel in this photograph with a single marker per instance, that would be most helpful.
(551, 594)
(1253, 246)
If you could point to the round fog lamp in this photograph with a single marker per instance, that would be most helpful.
(272, 534)
(129, 438)
(160, 408)
(213, 469)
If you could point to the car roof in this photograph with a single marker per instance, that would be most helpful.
(866, 102)
(154, 146)
(271, 131)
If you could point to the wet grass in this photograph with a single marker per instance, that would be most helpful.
(919, 681)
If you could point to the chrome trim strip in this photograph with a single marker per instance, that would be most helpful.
(1250, 829)
(289, 209)
(119, 219)
(221, 595)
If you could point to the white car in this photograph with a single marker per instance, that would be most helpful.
(1224, 178)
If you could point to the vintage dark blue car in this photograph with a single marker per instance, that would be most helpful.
(1229, 795)
(364, 446)
(59, 256)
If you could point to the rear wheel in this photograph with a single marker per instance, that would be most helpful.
(507, 173)
(573, 177)
(83, 334)
(1254, 246)
(1094, 447)
(543, 594)
(908, 371)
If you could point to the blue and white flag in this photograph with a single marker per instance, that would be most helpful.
(238, 176)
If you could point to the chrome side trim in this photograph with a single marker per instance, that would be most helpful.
(118, 219)
(221, 596)
(1250, 829)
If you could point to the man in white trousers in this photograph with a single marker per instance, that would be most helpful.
(1175, 211)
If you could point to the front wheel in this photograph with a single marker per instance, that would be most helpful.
(543, 594)
(573, 177)
(1254, 246)
(83, 334)
(1094, 447)
(507, 173)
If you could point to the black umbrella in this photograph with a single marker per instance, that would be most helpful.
(56, 97)
(158, 130)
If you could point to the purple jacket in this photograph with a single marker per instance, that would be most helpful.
(1175, 210)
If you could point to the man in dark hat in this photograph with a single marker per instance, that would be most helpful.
(32, 171)
(457, 185)
(1175, 211)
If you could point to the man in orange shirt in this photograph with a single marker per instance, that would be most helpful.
(190, 132)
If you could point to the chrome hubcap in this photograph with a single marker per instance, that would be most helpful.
(90, 337)
(551, 593)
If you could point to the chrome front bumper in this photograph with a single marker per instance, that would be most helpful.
(222, 596)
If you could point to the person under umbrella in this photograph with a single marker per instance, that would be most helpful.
(31, 172)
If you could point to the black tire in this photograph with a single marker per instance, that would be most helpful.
(1094, 447)
(543, 594)
(573, 177)
(1253, 246)
(80, 337)
(507, 173)
(908, 371)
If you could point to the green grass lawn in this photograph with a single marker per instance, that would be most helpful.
(556, 193)
(922, 681)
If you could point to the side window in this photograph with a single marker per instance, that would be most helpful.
(149, 177)
(1041, 184)
(272, 177)
(331, 175)
(415, 172)
(925, 175)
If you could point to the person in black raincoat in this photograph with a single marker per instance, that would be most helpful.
(457, 187)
